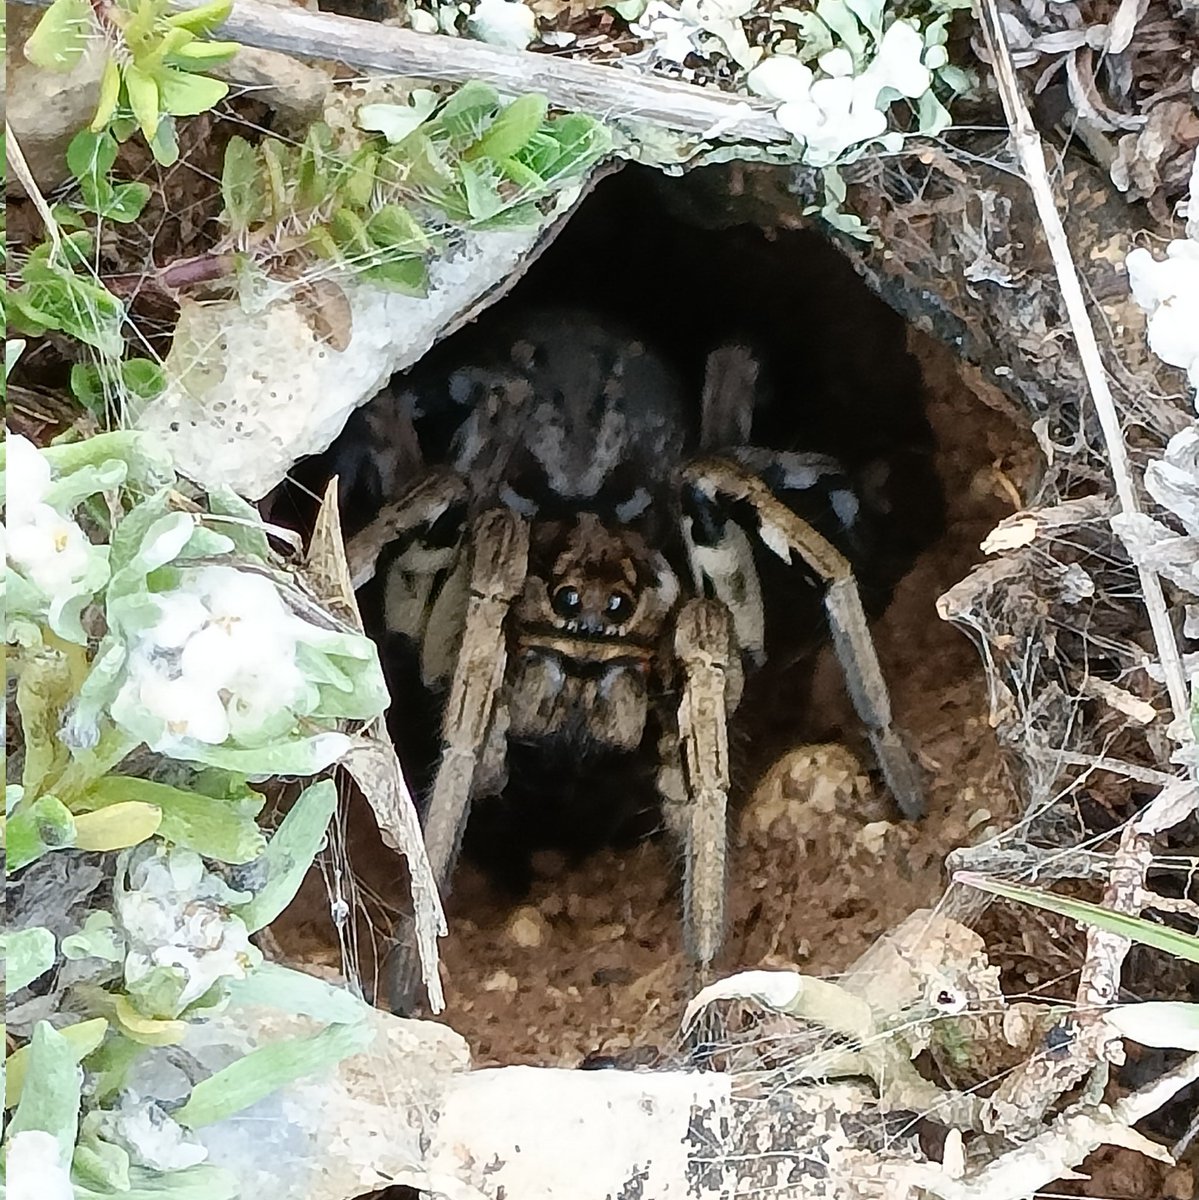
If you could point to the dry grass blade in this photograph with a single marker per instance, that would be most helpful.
(376, 770)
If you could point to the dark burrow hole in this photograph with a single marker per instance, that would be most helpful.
(834, 378)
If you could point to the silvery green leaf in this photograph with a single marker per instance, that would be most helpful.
(838, 16)
(99, 938)
(268, 1068)
(870, 14)
(959, 81)
(932, 115)
(396, 121)
(51, 1094)
(13, 348)
(1162, 1023)
(201, 1182)
(290, 991)
(35, 829)
(290, 852)
(28, 954)
(219, 828)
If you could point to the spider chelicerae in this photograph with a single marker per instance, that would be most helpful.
(567, 552)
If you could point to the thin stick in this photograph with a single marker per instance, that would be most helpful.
(1029, 151)
(16, 160)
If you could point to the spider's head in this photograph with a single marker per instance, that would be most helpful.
(588, 626)
(592, 582)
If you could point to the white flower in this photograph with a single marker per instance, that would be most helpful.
(27, 478)
(34, 1168)
(898, 63)
(175, 914)
(1168, 290)
(780, 77)
(674, 35)
(836, 62)
(50, 550)
(505, 23)
(219, 662)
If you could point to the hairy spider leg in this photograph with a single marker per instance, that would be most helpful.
(703, 645)
(786, 533)
(499, 546)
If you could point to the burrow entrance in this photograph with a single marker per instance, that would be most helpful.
(588, 960)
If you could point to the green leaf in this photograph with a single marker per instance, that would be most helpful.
(396, 121)
(36, 829)
(270, 985)
(117, 827)
(483, 199)
(201, 1182)
(467, 113)
(199, 55)
(126, 202)
(1168, 1024)
(142, 91)
(51, 1095)
(45, 686)
(268, 1068)
(393, 227)
(64, 300)
(290, 852)
(510, 132)
(91, 155)
(83, 1038)
(164, 145)
(100, 1162)
(836, 14)
(204, 18)
(28, 955)
(1137, 929)
(61, 36)
(516, 216)
(241, 186)
(184, 94)
(223, 829)
(581, 142)
(99, 938)
(408, 275)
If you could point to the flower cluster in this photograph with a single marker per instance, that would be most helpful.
(182, 937)
(52, 569)
(1168, 290)
(839, 110)
(219, 662)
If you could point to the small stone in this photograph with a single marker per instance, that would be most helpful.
(979, 817)
(501, 981)
(527, 927)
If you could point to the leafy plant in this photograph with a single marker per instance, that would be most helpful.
(379, 208)
(143, 618)
(154, 70)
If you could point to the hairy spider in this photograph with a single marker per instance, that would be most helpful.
(570, 549)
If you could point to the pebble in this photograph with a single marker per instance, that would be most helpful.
(527, 927)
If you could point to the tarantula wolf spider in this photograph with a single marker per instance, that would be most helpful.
(580, 579)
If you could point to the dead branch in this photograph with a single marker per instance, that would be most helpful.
(609, 92)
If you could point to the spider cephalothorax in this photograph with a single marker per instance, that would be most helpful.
(581, 568)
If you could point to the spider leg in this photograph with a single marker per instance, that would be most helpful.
(703, 646)
(727, 403)
(420, 505)
(499, 542)
(785, 533)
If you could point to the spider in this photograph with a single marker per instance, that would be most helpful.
(570, 550)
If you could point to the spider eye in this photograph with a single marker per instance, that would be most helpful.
(620, 606)
(566, 601)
